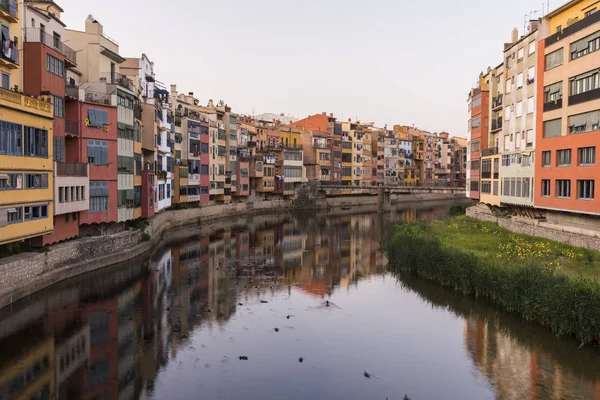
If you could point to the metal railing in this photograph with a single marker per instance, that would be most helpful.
(36, 35)
(96, 97)
(117, 79)
(71, 169)
(10, 7)
(72, 127)
(496, 101)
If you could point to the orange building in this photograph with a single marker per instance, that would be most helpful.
(568, 109)
(479, 129)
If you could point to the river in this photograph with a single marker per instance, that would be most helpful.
(295, 306)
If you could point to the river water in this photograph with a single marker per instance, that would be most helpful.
(174, 326)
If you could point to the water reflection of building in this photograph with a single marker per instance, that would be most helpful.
(519, 372)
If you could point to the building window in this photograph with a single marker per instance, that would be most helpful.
(546, 187)
(125, 165)
(125, 198)
(519, 109)
(168, 191)
(474, 186)
(546, 158)
(138, 164)
(14, 215)
(554, 59)
(59, 148)
(476, 101)
(98, 196)
(56, 40)
(507, 111)
(532, 47)
(486, 187)
(36, 181)
(584, 83)
(35, 212)
(553, 92)
(520, 80)
(587, 45)
(97, 152)
(586, 155)
(520, 53)
(59, 106)
(11, 139)
(11, 181)
(552, 128)
(586, 122)
(585, 189)
(55, 66)
(36, 142)
(495, 188)
(292, 156)
(563, 188)
(563, 158)
(475, 146)
(474, 164)
(476, 122)
(5, 80)
(292, 172)
(486, 169)
(97, 118)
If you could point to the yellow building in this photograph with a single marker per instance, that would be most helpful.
(26, 179)
(490, 177)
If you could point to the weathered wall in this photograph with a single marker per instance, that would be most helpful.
(529, 227)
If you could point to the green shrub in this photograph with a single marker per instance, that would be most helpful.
(522, 281)
(145, 237)
(459, 208)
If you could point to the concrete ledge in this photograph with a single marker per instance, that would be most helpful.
(563, 234)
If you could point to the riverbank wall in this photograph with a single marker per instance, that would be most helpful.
(559, 230)
(24, 274)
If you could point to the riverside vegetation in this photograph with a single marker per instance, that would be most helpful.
(544, 281)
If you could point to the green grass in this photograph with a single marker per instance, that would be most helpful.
(487, 240)
(544, 281)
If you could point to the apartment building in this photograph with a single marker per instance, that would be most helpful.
(101, 83)
(46, 60)
(568, 110)
(316, 147)
(517, 138)
(290, 173)
(478, 132)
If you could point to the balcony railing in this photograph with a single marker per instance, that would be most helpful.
(496, 124)
(71, 169)
(573, 28)
(36, 35)
(292, 146)
(489, 152)
(583, 97)
(72, 128)
(553, 105)
(10, 9)
(317, 145)
(96, 97)
(117, 79)
(496, 102)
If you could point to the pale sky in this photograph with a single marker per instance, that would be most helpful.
(386, 61)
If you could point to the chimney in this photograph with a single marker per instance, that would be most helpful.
(533, 25)
(349, 119)
(190, 93)
(324, 113)
(173, 88)
(210, 104)
(330, 115)
(515, 36)
(93, 26)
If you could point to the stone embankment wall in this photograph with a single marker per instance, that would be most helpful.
(24, 274)
(560, 233)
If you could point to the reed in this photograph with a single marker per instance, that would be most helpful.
(547, 282)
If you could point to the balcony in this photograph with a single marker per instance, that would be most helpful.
(71, 169)
(573, 28)
(489, 152)
(36, 35)
(496, 102)
(583, 97)
(530, 81)
(496, 124)
(9, 10)
(137, 111)
(117, 79)
(72, 128)
(10, 57)
(72, 90)
(553, 105)
(292, 146)
(317, 145)
(33, 105)
(92, 96)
